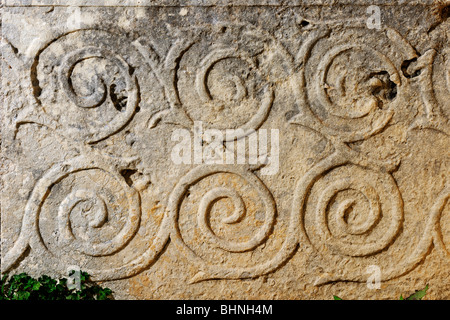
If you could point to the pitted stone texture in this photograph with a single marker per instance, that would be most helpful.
(93, 92)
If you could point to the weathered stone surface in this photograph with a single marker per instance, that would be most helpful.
(352, 186)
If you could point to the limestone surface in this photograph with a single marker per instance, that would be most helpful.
(226, 149)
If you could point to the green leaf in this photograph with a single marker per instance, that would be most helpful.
(3, 283)
(418, 295)
(36, 286)
(336, 298)
(24, 295)
(84, 276)
(25, 287)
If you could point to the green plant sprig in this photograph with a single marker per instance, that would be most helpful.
(418, 295)
(24, 287)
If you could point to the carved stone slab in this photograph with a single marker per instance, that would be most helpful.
(228, 150)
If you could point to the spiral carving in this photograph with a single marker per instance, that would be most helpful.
(352, 215)
(347, 210)
(239, 212)
(348, 228)
(97, 217)
(90, 221)
(336, 106)
(239, 207)
(96, 81)
(350, 101)
(233, 79)
(237, 82)
(356, 214)
(235, 217)
(94, 210)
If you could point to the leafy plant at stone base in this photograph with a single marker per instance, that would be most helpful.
(24, 287)
(418, 295)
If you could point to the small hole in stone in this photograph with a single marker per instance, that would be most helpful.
(131, 70)
(304, 23)
(392, 90)
(126, 174)
(388, 90)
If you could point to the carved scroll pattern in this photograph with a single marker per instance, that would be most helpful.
(354, 196)
(343, 103)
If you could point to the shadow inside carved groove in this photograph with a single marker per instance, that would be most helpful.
(442, 11)
(126, 174)
(385, 88)
(405, 66)
(119, 100)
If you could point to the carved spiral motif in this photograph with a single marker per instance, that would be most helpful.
(233, 72)
(97, 212)
(83, 212)
(364, 102)
(96, 81)
(349, 214)
(205, 208)
(93, 209)
(351, 100)
(235, 214)
(240, 209)
(240, 90)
